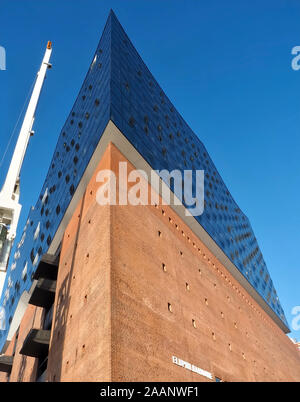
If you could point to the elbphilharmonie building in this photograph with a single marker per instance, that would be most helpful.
(136, 293)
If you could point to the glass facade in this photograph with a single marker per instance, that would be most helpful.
(120, 87)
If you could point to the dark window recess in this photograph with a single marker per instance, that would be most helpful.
(87, 115)
(42, 369)
(75, 160)
(48, 240)
(67, 178)
(72, 189)
(36, 344)
(77, 147)
(58, 209)
(6, 363)
(42, 237)
(47, 212)
(32, 255)
(131, 122)
(47, 224)
(59, 174)
(47, 268)
(90, 87)
(42, 211)
(48, 318)
(44, 293)
(72, 143)
(97, 102)
(80, 124)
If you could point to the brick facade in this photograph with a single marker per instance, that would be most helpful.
(135, 287)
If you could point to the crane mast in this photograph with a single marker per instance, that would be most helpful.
(10, 208)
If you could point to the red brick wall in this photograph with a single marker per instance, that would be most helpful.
(234, 338)
(112, 318)
(4, 377)
(81, 339)
(24, 368)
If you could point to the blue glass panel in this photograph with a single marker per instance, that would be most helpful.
(119, 86)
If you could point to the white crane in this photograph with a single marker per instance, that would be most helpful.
(10, 208)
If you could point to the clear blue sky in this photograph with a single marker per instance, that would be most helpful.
(226, 65)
